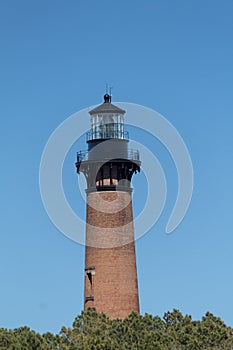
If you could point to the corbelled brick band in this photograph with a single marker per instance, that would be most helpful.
(110, 264)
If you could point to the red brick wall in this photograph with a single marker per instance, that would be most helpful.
(110, 249)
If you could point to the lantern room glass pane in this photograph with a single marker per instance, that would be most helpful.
(107, 126)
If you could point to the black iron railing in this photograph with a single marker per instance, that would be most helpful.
(115, 134)
(132, 154)
(81, 156)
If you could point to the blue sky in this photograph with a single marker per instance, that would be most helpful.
(172, 56)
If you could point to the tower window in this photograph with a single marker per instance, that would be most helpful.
(89, 273)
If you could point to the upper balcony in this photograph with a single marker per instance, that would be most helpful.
(106, 133)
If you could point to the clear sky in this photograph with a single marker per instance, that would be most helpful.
(172, 56)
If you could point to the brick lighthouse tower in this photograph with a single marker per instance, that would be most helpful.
(108, 165)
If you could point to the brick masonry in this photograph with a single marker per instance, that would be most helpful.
(110, 276)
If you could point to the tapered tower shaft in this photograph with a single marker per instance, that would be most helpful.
(110, 273)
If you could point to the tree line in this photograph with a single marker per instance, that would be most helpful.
(93, 331)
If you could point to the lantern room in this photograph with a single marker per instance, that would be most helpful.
(107, 122)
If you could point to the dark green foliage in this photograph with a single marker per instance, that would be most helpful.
(23, 339)
(93, 331)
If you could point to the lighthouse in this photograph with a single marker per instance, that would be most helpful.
(110, 273)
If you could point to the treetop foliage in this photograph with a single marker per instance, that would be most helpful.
(93, 331)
